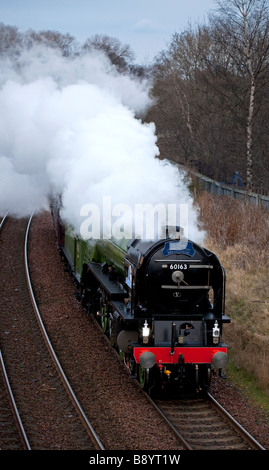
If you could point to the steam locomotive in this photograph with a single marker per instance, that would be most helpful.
(161, 303)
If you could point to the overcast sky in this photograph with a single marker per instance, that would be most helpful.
(146, 25)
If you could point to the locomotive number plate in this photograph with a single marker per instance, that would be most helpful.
(179, 266)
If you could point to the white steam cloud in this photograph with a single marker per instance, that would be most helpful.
(70, 127)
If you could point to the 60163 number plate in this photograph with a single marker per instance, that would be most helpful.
(179, 266)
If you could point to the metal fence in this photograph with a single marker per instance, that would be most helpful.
(231, 190)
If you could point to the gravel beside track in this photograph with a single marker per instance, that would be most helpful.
(117, 408)
(49, 418)
(250, 416)
(9, 437)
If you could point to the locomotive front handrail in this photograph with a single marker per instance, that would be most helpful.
(186, 287)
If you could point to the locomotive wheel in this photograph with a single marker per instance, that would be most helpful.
(122, 355)
(130, 363)
(197, 376)
(207, 377)
(143, 375)
(110, 332)
(202, 377)
(132, 367)
(103, 319)
(146, 378)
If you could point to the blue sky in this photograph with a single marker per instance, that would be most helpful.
(146, 25)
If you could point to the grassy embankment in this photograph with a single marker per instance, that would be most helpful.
(239, 234)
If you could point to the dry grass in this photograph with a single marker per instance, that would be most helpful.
(229, 222)
(239, 234)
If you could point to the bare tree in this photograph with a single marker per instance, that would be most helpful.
(119, 54)
(65, 43)
(189, 106)
(242, 26)
(10, 39)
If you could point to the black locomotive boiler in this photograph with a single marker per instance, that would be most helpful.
(161, 303)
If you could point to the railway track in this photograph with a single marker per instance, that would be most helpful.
(32, 377)
(203, 424)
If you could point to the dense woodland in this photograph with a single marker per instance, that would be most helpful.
(211, 87)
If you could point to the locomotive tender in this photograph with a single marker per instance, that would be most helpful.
(161, 303)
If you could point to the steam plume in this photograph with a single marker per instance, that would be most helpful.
(71, 127)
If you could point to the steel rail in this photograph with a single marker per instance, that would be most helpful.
(98, 444)
(246, 435)
(183, 441)
(3, 220)
(14, 406)
(9, 389)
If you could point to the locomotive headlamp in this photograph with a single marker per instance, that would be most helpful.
(145, 332)
(216, 333)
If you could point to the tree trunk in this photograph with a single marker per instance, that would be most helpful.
(249, 136)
